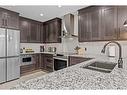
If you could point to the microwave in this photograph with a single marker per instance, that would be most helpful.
(26, 59)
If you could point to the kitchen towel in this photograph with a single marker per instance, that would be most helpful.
(111, 50)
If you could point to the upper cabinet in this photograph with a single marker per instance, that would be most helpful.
(109, 23)
(122, 17)
(9, 19)
(24, 30)
(52, 31)
(38, 32)
(30, 30)
(35, 29)
(89, 24)
(95, 23)
(84, 28)
(98, 23)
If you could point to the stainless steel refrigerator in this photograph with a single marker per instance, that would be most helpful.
(9, 54)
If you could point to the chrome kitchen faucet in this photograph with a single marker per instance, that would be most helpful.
(120, 61)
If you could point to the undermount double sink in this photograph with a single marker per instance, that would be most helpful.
(106, 67)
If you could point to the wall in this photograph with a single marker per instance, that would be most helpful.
(96, 47)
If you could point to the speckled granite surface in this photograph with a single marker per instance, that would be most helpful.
(75, 77)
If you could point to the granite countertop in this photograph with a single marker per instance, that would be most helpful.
(65, 53)
(38, 53)
(75, 77)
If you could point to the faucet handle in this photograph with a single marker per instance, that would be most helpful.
(103, 50)
(120, 63)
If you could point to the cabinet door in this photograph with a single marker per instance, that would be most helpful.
(42, 65)
(46, 33)
(13, 20)
(48, 62)
(56, 31)
(52, 31)
(76, 60)
(1, 18)
(122, 17)
(42, 33)
(109, 23)
(34, 31)
(84, 32)
(24, 30)
(36, 61)
(95, 24)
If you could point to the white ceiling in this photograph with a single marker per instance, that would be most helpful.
(49, 12)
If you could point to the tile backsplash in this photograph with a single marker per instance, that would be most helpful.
(68, 45)
(34, 46)
(96, 47)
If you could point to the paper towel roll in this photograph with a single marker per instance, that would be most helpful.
(112, 51)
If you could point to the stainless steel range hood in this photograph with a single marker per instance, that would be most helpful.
(68, 26)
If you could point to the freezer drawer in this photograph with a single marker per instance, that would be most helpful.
(2, 70)
(2, 42)
(13, 68)
(13, 42)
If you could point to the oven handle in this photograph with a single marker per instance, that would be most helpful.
(60, 58)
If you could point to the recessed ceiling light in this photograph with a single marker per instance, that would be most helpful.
(59, 6)
(41, 14)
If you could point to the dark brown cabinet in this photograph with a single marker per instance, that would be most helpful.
(52, 31)
(35, 29)
(98, 23)
(42, 33)
(73, 60)
(30, 31)
(9, 19)
(38, 32)
(89, 24)
(122, 17)
(36, 65)
(42, 65)
(109, 23)
(48, 62)
(24, 30)
(84, 32)
(25, 69)
(95, 23)
(37, 61)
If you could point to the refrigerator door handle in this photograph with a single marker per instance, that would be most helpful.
(9, 38)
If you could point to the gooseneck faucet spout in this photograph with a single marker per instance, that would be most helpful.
(120, 61)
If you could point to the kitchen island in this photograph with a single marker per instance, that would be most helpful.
(76, 77)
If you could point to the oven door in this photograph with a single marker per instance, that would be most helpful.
(59, 64)
(26, 60)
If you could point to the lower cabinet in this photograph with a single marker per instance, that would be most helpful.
(76, 60)
(48, 62)
(36, 61)
(36, 64)
(26, 68)
(39, 61)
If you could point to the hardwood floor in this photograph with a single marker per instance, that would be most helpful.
(26, 77)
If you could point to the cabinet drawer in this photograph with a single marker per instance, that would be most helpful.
(27, 68)
(76, 60)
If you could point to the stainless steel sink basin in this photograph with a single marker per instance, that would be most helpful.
(101, 66)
